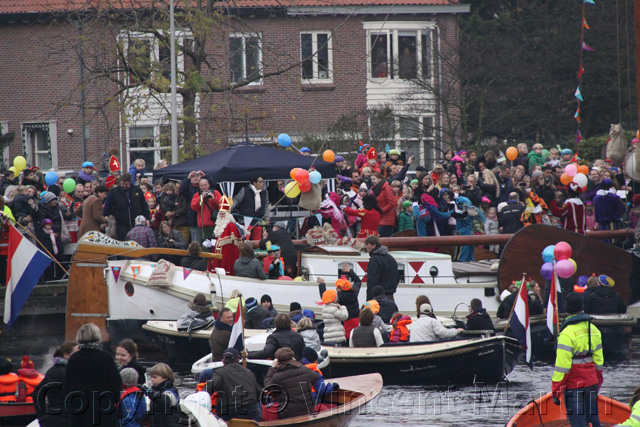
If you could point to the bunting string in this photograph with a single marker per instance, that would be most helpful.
(581, 70)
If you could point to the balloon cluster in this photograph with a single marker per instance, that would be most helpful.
(575, 173)
(302, 181)
(565, 265)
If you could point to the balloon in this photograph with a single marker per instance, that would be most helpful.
(512, 153)
(583, 169)
(580, 179)
(51, 178)
(571, 169)
(562, 251)
(547, 253)
(13, 169)
(315, 177)
(284, 140)
(547, 270)
(304, 186)
(297, 279)
(285, 278)
(545, 154)
(564, 269)
(328, 156)
(575, 265)
(20, 163)
(292, 174)
(69, 185)
(302, 176)
(565, 179)
(291, 190)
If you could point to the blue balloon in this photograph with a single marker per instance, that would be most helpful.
(547, 253)
(284, 140)
(51, 178)
(315, 177)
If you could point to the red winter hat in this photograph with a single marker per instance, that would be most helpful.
(636, 200)
(26, 363)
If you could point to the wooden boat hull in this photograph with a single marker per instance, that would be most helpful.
(351, 398)
(449, 362)
(545, 413)
(16, 414)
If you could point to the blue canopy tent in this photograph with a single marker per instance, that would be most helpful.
(241, 162)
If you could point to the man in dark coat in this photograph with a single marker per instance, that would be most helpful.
(604, 300)
(535, 304)
(126, 202)
(238, 390)
(219, 339)
(505, 182)
(478, 319)
(283, 336)
(387, 307)
(252, 201)
(188, 187)
(509, 217)
(280, 237)
(256, 314)
(383, 268)
(347, 295)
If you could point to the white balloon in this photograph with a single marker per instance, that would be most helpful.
(580, 179)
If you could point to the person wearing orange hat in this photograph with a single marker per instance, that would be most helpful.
(333, 314)
(377, 320)
(348, 288)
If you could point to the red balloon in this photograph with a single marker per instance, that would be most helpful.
(302, 176)
(305, 186)
(562, 251)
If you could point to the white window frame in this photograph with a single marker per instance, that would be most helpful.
(181, 37)
(244, 37)
(314, 57)
(4, 128)
(31, 151)
(393, 30)
(157, 149)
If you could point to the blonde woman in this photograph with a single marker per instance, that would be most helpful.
(489, 186)
(137, 170)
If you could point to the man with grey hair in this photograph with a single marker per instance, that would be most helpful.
(509, 217)
(141, 234)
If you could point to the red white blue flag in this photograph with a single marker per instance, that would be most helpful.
(236, 339)
(25, 265)
(552, 305)
(519, 321)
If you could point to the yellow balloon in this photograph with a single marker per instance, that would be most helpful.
(291, 190)
(575, 265)
(20, 163)
(298, 279)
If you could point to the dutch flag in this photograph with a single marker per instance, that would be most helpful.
(519, 321)
(25, 265)
(552, 305)
(236, 339)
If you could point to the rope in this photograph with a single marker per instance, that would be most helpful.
(618, 63)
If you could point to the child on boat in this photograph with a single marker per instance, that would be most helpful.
(132, 407)
(333, 315)
(309, 333)
(164, 397)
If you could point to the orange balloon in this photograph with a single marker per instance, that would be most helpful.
(512, 153)
(292, 174)
(328, 156)
(583, 169)
(565, 179)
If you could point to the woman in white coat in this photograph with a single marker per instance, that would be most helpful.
(333, 314)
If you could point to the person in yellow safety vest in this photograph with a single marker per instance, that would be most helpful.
(8, 381)
(578, 369)
(634, 404)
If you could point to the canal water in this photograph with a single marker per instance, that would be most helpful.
(479, 405)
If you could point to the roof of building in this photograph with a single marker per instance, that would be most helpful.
(52, 6)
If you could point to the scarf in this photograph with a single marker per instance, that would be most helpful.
(377, 188)
(86, 177)
(256, 197)
(52, 236)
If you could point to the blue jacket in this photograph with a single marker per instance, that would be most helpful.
(425, 215)
(132, 407)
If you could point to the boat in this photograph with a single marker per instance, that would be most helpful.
(616, 330)
(347, 402)
(522, 253)
(17, 413)
(456, 361)
(543, 412)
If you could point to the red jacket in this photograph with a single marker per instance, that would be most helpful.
(572, 214)
(369, 221)
(204, 211)
(387, 202)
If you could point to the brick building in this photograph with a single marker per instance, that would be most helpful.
(297, 66)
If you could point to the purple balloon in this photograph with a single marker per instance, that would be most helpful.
(547, 270)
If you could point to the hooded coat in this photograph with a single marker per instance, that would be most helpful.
(604, 300)
(333, 314)
(383, 271)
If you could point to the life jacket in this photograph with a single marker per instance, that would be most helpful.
(9, 387)
(31, 384)
(400, 333)
(314, 367)
(214, 396)
(128, 391)
(579, 289)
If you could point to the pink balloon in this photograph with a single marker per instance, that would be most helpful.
(562, 251)
(571, 169)
(565, 268)
(580, 179)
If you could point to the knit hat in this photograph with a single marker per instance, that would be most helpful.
(281, 224)
(396, 152)
(606, 281)
(251, 302)
(45, 221)
(305, 150)
(295, 306)
(329, 296)
(310, 354)
(231, 354)
(536, 174)
(573, 303)
(426, 308)
(5, 366)
(88, 165)
(338, 159)
(377, 290)
(48, 198)
(264, 298)
(364, 187)
(343, 284)
(26, 363)
(607, 181)
(284, 354)
(485, 199)
(566, 151)
(413, 181)
(373, 306)
(129, 377)
(406, 204)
